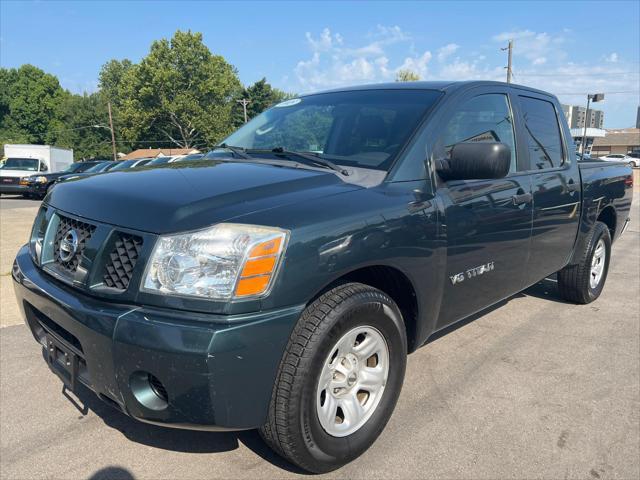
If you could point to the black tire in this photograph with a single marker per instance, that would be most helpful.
(574, 280)
(293, 428)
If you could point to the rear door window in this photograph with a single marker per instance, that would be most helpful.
(543, 133)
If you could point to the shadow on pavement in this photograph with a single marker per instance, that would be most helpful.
(178, 440)
(546, 289)
(112, 473)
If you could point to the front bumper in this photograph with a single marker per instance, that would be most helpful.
(218, 371)
(38, 189)
(13, 188)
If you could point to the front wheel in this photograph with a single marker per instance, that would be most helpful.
(583, 282)
(339, 378)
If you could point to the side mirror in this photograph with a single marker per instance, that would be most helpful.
(476, 160)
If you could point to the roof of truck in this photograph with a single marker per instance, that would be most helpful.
(433, 85)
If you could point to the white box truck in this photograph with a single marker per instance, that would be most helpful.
(26, 160)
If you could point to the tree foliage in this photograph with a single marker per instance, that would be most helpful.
(261, 95)
(407, 76)
(179, 94)
(30, 102)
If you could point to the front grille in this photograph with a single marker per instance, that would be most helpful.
(122, 260)
(83, 232)
(9, 180)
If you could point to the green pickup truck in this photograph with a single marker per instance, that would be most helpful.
(280, 282)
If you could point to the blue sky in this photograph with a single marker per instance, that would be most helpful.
(568, 48)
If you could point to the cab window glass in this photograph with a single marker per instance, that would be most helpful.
(485, 118)
(543, 133)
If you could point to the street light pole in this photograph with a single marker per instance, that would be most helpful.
(596, 97)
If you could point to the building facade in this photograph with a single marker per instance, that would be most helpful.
(626, 140)
(576, 117)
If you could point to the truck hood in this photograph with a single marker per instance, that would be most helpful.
(179, 197)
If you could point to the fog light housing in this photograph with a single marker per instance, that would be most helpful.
(148, 390)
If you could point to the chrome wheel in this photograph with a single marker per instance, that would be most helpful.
(597, 264)
(352, 381)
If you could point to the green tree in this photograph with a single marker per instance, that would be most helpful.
(111, 79)
(407, 76)
(85, 119)
(29, 105)
(180, 92)
(261, 95)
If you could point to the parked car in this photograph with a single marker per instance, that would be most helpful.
(280, 285)
(37, 186)
(190, 157)
(164, 160)
(620, 157)
(100, 167)
(26, 160)
(125, 164)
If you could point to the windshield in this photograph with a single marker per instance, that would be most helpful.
(78, 167)
(29, 164)
(160, 160)
(122, 165)
(98, 168)
(363, 128)
(193, 156)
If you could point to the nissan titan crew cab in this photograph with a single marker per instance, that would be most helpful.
(280, 282)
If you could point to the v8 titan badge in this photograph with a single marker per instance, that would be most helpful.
(471, 273)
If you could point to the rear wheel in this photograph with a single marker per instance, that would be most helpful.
(583, 282)
(339, 379)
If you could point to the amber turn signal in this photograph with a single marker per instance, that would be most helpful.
(259, 267)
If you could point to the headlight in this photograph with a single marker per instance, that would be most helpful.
(221, 262)
(40, 180)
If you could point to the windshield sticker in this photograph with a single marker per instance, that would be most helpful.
(288, 103)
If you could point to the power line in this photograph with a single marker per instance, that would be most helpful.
(593, 74)
(625, 92)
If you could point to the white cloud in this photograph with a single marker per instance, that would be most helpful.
(334, 63)
(536, 47)
(540, 60)
(417, 64)
(612, 58)
(446, 51)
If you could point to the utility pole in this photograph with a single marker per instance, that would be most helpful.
(509, 64)
(596, 97)
(113, 135)
(244, 102)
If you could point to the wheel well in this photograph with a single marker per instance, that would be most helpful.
(608, 217)
(395, 284)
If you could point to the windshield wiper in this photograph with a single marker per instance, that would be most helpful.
(310, 157)
(237, 151)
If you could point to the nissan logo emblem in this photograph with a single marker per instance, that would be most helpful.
(68, 246)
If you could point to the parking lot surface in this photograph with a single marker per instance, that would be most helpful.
(536, 388)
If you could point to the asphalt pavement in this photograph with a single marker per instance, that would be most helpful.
(533, 388)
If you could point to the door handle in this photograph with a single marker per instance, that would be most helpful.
(522, 199)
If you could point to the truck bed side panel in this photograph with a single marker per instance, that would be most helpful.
(604, 186)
